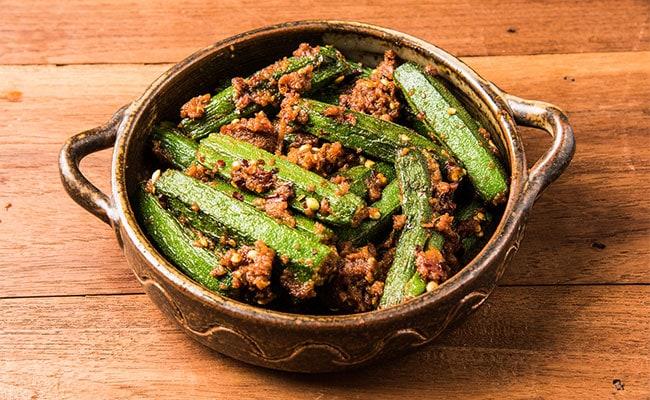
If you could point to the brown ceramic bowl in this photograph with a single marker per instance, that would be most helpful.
(302, 342)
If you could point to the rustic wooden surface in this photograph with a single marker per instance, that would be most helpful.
(570, 320)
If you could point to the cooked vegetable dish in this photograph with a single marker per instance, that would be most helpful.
(320, 185)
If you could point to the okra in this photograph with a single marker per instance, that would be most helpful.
(198, 220)
(453, 126)
(374, 136)
(472, 243)
(307, 258)
(414, 178)
(172, 146)
(176, 150)
(358, 176)
(387, 206)
(176, 242)
(310, 189)
(328, 64)
(416, 285)
(331, 93)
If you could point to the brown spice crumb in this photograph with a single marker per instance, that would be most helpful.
(202, 241)
(304, 49)
(441, 223)
(343, 188)
(333, 111)
(195, 107)
(377, 94)
(251, 271)
(297, 81)
(8, 206)
(376, 183)
(149, 187)
(238, 196)
(195, 207)
(358, 284)
(404, 151)
(319, 228)
(219, 271)
(199, 172)
(454, 172)
(297, 289)
(431, 265)
(323, 160)
(399, 221)
(276, 205)
(252, 176)
(290, 115)
(258, 131)
(325, 208)
(431, 70)
(301, 139)
(256, 88)
(340, 114)
(473, 225)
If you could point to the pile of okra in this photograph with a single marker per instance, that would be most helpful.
(319, 184)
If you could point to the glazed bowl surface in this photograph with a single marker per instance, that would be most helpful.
(309, 343)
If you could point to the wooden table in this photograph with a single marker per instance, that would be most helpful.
(571, 318)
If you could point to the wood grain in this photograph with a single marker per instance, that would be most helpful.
(64, 250)
(571, 321)
(128, 31)
(524, 343)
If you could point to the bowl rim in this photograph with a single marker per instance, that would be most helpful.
(513, 213)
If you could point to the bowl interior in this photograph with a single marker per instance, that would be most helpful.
(211, 68)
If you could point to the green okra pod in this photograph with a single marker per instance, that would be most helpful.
(451, 124)
(416, 186)
(308, 259)
(342, 209)
(177, 243)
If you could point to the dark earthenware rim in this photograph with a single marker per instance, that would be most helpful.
(516, 207)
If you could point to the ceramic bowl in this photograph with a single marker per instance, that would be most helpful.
(302, 342)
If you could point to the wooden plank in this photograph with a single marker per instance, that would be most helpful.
(544, 342)
(47, 240)
(55, 247)
(85, 31)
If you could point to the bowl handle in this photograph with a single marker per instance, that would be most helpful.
(74, 150)
(541, 115)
